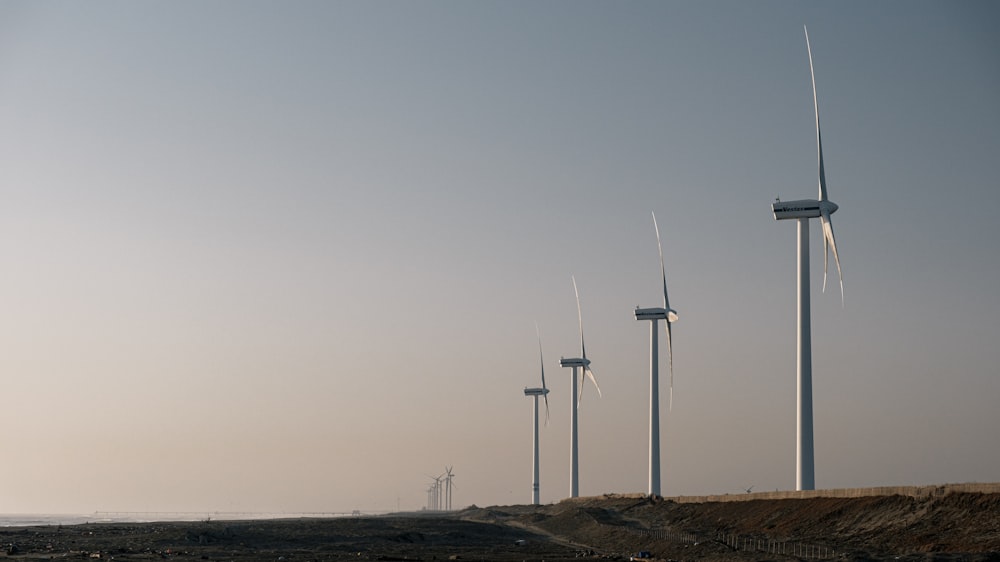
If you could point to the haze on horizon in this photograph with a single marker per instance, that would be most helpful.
(289, 257)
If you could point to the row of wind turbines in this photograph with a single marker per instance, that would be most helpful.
(801, 210)
(439, 493)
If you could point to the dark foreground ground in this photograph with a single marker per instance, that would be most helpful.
(956, 526)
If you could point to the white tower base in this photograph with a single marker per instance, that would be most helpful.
(574, 456)
(534, 459)
(654, 409)
(804, 466)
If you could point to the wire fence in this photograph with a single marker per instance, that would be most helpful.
(770, 546)
(745, 543)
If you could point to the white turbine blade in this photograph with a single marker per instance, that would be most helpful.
(828, 236)
(670, 363)
(663, 269)
(541, 359)
(579, 315)
(819, 137)
(824, 217)
(590, 374)
(671, 316)
(593, 379)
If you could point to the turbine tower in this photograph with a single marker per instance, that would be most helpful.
(580, 365)
(544, 393)
(803, 210)
(654, 315)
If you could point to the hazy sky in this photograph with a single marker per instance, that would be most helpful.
(289, 256)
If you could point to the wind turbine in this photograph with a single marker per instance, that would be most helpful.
(544, 393)
(435, 492)
(654, 315)
(803, 210)
(580, 365)
(447, 487)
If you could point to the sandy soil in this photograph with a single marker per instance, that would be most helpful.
(957, 526)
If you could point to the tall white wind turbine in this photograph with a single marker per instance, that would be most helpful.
(581, 366)
(654, 315)
(535, 393)
(803, 210)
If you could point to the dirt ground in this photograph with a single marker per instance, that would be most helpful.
(958, 526)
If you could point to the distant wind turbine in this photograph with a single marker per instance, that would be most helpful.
(434, 501)
(803, 210)
(544, 393)
(654, 315)
(580, 365)
(430, 497)
(447, 487)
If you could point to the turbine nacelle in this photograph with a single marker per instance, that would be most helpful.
(802, 209)
(536, 391)
(574, 362)
(658, 313)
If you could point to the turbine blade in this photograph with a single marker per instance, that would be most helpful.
(541, 360)
(819, 137)
(579, 395)
(666, 306)
(593, 379)
(579, 315)
(828, 235)
(670, 363)
(824, 218)
(663, 269)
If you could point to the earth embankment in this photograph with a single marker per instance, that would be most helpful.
(946, 522)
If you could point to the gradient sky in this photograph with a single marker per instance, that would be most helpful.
(289, 256)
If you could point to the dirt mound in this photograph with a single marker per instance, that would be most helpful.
(869, 527)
